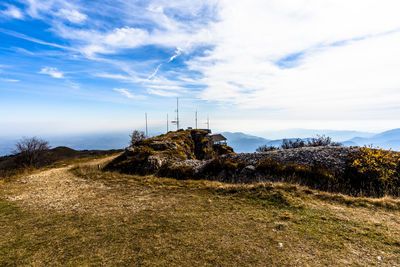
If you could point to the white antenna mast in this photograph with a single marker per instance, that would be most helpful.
(196, 119)
(208, 122)
(147, 133)
(177, 114)
(167, 124)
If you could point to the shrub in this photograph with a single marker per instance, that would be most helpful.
(266, 148)
(375, 172)
(286, 143)
(322, 140)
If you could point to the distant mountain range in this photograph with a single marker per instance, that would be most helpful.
(241, 142)
(337, 135)
(387, 140)
(244, 143)
(104, 141)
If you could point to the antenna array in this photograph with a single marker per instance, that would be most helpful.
(176, 121)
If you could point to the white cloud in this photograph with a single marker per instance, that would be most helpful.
(152, 27)
(128, 94)
(64, 9)
(162, 93)
(13, 12)
(73, 16)
(9, 80)
(347, 68)
(95, 42)
(53, 72)
(114, 76)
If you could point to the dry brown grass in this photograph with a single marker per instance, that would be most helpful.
(83, 216)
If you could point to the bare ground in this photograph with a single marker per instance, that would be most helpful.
(59, 190)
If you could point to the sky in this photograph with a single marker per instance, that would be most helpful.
(251, 66)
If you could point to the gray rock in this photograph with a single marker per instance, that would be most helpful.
(197, 165)
(154, 162)
(331, 158)
(248, 170)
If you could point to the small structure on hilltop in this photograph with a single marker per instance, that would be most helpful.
(158, 154)
(218, 139)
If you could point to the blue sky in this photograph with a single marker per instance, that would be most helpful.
(253, 66)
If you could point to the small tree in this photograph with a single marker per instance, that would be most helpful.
(136, 136)
(30, 150)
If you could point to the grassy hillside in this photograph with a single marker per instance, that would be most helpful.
(83, 216)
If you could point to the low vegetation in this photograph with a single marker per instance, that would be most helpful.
(108, 218)
(366, 172)
(287, 144)
(375, 171)
(90, 215)
(266, 148)
(313, 177)
(320, 140)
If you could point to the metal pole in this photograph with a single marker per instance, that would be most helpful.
(147, 133)
(208, 122)
(196, 119)
(177, 113)
(167, 124)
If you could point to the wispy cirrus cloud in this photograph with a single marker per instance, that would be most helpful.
(114, 76)
(34, 40)
(164, 93)
(9, 80)
(128, 94)
(53, 72)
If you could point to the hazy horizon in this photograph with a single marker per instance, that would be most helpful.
(120, 139)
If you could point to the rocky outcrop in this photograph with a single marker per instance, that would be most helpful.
(330, 158)
(189, 155)
(187, 151)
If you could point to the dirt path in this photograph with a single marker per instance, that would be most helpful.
(59, 190)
